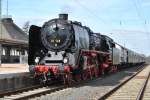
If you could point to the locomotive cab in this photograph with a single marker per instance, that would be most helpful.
(106, 43)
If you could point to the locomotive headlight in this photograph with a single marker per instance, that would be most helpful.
(37, 59)
(65, 60)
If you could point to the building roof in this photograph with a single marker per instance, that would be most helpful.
(11, 34)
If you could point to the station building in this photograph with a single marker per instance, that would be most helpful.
(13, 42)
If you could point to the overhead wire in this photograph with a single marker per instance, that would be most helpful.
(91, 13)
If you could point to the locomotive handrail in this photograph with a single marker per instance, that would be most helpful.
(94, 51)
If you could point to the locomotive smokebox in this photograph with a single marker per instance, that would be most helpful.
(63, 16)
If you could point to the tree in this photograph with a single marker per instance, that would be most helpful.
(26, 27)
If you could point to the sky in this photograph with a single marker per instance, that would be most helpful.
(126, 21)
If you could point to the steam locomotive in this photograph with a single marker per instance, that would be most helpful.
(67, 50)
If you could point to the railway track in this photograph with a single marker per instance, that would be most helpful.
(146, 95)
(35, 91)
(7, 93)
(137, 87)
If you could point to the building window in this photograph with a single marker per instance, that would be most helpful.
(26, 52)
(4, 51)
(17, 52)
(12, 52)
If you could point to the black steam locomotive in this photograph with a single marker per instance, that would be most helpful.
(63, 49)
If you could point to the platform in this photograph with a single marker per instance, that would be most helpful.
(14, 76)
(13, 70)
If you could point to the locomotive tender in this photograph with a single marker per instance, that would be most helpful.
(63, 49)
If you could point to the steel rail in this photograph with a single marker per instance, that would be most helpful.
(50, 90)
(2, 94)
(141, 93)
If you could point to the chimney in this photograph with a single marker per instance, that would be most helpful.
(7, 20)
(63, 16)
